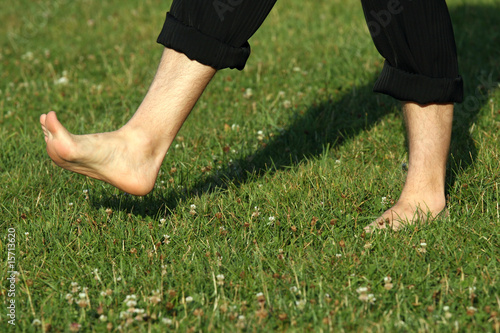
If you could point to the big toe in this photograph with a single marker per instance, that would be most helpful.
(43, 117)
(51, 122)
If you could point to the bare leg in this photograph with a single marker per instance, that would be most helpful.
(130, 157)
(429, 134)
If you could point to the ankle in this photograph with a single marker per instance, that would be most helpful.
(143, 142)
(432, 201)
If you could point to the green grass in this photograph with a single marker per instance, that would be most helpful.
(278, 212)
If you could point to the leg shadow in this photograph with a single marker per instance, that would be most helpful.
(477, 31)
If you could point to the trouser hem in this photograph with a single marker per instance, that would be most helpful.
(418, 88)
(201, 47)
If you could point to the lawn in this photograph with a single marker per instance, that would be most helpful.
(256, 221)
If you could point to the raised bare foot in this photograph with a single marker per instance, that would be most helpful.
(407, 212)
(124, 159)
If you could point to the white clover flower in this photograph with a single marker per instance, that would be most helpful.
(248, 93)
(423, 244)
(446, 308)
(167, 321)
(85, 191)
(337, 161)
(68, 296)
(300, 304)
(131, 304)
(28, 56)
(362, 290)
(339, 255)
(82, 295)
(36, 322)
(103, 318)
(259, 294)
(293, 289)
(166, 239)
(62, 81)
(75, 287)
(387, 279)
(220, 277)
(162, 221)
(124, 315)
(272, 218)
(193, 207)
(241, 317)
(130, 298)
(384, 201)
(189, 299)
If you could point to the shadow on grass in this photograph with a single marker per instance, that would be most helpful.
(332, 122)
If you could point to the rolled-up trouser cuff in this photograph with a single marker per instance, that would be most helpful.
(200, 47)
(418, 88)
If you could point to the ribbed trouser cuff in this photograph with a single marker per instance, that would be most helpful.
(200, 47)
(418, 88)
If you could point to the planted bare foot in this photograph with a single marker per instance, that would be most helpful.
(123, 158)
(407, 212)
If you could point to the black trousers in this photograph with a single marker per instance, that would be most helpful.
(414, 36)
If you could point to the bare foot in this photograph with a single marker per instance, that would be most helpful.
(121, 158)
(407, 212)
(428, 129)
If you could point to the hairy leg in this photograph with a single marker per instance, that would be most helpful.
(130, 157)
(423, 197)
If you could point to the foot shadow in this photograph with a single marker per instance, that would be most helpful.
(332, 122)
